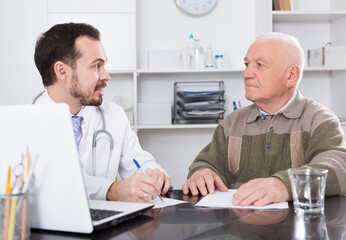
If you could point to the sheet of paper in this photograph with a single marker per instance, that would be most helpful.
(166, 202)
(224, 200)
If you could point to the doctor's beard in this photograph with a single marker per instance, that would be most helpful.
(86, 99)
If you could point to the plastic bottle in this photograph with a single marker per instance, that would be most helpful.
(197, 55)
(219, 61)
(209, 57)
(187, 53)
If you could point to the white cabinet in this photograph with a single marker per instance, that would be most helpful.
(116, 21)
(87, 6)
(314, 23)
(156, 86)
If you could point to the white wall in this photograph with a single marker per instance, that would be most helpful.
(21, 22)
(160, 25)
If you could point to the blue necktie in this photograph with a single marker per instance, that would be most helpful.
(77, 122)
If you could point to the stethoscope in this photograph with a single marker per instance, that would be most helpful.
(100, 131)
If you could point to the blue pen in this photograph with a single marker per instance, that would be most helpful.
(139, 168)
(234, 106)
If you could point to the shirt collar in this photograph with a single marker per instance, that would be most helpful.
(293, 109)
(46, 99)
(296, 108)
(80, 113)
(281, 109)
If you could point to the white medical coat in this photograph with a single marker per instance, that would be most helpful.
(126, 147)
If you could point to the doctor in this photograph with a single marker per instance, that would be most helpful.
(71, 60)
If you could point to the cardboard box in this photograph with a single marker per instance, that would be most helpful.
(329, 56)
(164, 59)
(316, 57)
(154, 113)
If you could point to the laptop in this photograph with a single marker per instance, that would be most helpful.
(59, 200)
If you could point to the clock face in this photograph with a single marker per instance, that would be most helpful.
(196, 7)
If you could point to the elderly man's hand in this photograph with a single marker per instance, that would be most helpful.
(203, 181)
(260, 192)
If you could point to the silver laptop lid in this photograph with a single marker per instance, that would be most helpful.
(59, 199)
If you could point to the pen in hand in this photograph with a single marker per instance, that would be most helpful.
(139, 168)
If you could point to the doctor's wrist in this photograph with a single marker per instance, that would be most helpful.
(111, 193)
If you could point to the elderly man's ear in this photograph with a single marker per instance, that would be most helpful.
(293, 74)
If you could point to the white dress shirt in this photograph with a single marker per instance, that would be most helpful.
(100, 175)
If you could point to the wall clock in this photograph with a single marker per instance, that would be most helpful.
(196, 7)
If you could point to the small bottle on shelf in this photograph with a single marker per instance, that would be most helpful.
(186, 56)
(209, 57)
(197, 55)
(219, 61)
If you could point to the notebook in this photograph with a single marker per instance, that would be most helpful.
(59, 198)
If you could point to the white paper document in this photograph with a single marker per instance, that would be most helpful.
(166, 202)
(224, 200)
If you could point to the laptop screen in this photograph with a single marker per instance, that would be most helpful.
(59, 199)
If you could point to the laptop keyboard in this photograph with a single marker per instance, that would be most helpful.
(99, 214)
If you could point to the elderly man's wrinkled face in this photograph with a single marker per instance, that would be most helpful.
(266, 62)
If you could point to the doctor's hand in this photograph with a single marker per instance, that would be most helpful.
(204, 181)
(137, 188)
(260, 192)
(162, 182)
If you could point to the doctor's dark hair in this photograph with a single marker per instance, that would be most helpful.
(58, 44)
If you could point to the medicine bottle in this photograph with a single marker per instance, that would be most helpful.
(187, 53)
(197, 55)
(219, 61)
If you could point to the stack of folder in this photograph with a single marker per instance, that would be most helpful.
(198, 106)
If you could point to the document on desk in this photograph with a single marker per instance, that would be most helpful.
(166, 202)
(224, 200)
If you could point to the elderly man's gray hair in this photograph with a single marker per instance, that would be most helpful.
(298, 54)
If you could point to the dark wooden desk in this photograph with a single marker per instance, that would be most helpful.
(186, 222)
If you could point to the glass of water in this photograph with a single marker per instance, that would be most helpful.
(308, 190)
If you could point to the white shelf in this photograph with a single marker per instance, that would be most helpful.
(204, 70)
(214, 70)
(176, 126)
(117, 72)
(292, 16)
(321, 69)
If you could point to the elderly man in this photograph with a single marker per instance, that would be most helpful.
(256, 145)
